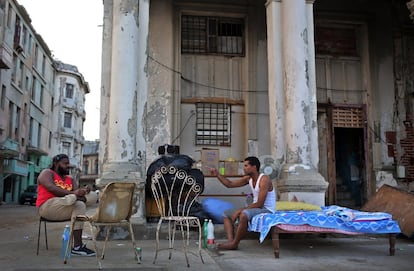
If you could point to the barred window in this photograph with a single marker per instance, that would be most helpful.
(212, 35)
(213, 124)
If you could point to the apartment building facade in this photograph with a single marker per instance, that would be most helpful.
(41, 104)
(69, 107)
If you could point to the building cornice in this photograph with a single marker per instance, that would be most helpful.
(307, 2)
(410, 6)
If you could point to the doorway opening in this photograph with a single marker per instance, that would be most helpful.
(350, 167)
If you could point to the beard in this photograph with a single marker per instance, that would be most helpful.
(62, 171)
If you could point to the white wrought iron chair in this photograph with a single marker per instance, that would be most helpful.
(175, 192)
(114, 209)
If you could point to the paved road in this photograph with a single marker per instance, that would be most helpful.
(18, 239)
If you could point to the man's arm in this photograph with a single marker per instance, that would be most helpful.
(226, 182)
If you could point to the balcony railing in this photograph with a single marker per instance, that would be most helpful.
(9, 148)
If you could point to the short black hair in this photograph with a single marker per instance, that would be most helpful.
(254, 161)
(59, 157)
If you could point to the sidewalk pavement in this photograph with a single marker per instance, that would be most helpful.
(18, 240)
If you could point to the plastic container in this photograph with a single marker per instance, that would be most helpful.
(210, 234)
(205, 233)
(65, 240)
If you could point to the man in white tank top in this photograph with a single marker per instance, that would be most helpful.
(264, 201)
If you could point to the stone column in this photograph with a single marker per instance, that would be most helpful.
(275, 77)
(124, 151)
(410, 6)
(299, 176)
(140, 143)
(313, 102)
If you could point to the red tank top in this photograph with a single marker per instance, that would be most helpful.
(43, 194)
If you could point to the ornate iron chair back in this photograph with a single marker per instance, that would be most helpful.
(174, 192)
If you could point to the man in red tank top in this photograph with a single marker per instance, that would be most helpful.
(59, 198)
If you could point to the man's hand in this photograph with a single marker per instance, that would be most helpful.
(236, 214)
(80, 192)
(87, 188)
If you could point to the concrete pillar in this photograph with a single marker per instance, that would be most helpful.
(124, 151)
(124, 84)
(299, 176)
(275, 77)
(410, 6)
(313, 102)
(295, 85)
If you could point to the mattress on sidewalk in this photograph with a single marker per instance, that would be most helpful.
(335, 218)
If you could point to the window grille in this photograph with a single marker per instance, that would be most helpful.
(348, 117)
(212, 35)
(213, 124)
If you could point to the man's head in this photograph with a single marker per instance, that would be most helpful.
(60, 164)
(253, 162)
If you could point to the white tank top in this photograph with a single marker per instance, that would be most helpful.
(270, 201)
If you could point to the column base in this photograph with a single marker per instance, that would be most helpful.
(127, 172)
(119, 171)
(303, 183)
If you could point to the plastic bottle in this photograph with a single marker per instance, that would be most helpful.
(205, 232)
(210, 234)
(65, 240)
(138, 254)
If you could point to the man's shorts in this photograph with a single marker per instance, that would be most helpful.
(250, 213)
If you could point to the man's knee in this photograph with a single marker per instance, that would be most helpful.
(243, 216)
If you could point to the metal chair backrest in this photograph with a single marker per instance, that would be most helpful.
(115, 203)
(174, 191)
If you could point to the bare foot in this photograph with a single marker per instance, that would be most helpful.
(227, 246)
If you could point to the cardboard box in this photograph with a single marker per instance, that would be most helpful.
(209, 159)
(231, 168)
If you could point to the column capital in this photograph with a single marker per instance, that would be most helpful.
(307, 1)
(410, 6)
(268, 2)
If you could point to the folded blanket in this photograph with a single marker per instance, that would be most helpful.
(347, 214)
